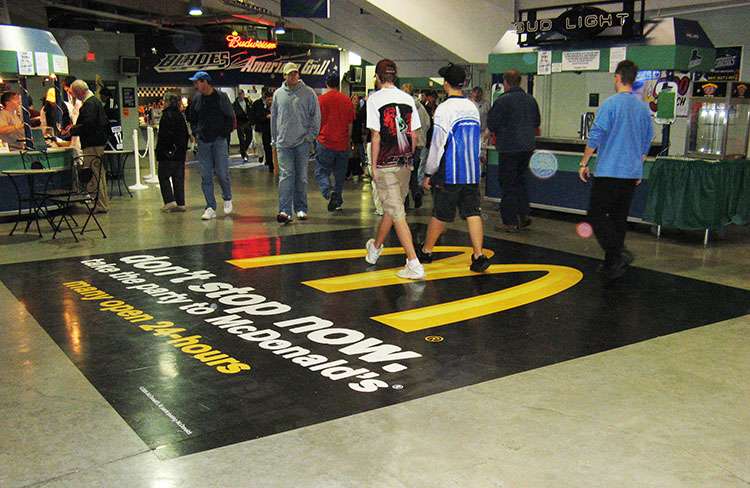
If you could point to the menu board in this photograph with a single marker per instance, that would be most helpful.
(25, 62)
(128, 97)
(580, 60)
(42, 64)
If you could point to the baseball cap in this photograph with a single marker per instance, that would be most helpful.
(201, 75)
(454, 75)
(385, 67)
(289, 67)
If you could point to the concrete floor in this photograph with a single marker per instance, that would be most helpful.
(670, 412)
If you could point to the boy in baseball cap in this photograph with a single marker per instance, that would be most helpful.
(453, 170)
(393, 121)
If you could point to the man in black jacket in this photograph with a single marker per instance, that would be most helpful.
(262, 120)
(92, 128)
(514, 119)
(243, 114)
(211, 118)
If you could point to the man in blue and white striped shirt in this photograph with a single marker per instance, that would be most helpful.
(453, 170)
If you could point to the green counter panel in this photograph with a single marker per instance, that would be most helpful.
(568, 162)
(57, 159)
(646, 57)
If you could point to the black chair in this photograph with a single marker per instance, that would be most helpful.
(82, 175)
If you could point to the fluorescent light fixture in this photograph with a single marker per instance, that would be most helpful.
(354, 59)
(279, 29)
(195, 8)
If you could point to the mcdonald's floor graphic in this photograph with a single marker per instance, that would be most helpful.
(203, 346)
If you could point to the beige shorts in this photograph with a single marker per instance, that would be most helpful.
(393, 187)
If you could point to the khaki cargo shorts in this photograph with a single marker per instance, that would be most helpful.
(392, 185)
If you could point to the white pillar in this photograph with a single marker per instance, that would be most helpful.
(152, 177)
(136, 157)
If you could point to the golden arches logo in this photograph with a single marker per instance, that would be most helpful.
(555, 280)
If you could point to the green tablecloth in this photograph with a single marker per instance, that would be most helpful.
(698, 194)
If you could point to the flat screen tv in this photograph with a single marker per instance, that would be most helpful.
(130, 65)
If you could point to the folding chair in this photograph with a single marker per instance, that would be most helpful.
(78, 195)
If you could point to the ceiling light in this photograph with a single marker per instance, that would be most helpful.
(195, 8)
(279, 29)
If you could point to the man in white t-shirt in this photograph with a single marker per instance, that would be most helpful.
(393, 122)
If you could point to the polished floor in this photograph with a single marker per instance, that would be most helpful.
(662, 408)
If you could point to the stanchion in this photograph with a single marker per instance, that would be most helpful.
(137, 157)
(153, 177)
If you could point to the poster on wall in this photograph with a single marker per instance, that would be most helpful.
(42, 64)
(231, 60)
(25, 62)
(727, 65)
(59, 64)
(128, 97)
(580, 60)
(544, 63)
(650, 83)
(616, 56)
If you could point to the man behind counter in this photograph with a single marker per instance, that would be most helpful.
(11, 124)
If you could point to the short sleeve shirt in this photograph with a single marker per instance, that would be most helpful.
(11, 118)
(393, 113)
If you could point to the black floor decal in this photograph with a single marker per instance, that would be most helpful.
(203, 346)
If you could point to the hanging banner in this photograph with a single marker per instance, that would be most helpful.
(59, 64)
(727, 65)
(231, 60)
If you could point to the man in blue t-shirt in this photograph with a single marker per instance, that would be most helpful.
(621, 135)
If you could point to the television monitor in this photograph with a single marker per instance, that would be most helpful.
(130, 65)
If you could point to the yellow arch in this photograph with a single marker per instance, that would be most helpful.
(556, 280)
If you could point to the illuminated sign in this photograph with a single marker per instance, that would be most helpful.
(577, 23)
(235, 41)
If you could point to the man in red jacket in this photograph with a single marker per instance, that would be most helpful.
(333, 143)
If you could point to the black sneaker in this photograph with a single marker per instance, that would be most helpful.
(283, 218)
(615, 271)
(424, 257)
(525, 222)
(479, 264)
(627, 257)
(333, 199)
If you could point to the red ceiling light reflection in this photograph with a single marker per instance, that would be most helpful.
(256, 247)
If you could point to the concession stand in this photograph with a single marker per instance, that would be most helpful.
(568, 55)
(31, 55)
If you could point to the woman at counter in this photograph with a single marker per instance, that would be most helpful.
(11, 125)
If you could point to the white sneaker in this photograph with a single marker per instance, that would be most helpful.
(302, 215)
(169, 206)
(412, 271)
(209, 214)
(373, 253)
(228, 207)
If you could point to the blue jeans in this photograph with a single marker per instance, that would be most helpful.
(330, 161)
(293, 178)
(214, 158)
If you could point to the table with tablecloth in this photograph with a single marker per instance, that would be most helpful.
(698, 194)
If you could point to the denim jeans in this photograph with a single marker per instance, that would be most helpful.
(423, 153)
(214, 158)
(330, 162)
(293, 178)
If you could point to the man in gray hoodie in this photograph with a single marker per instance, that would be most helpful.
(295, 123)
